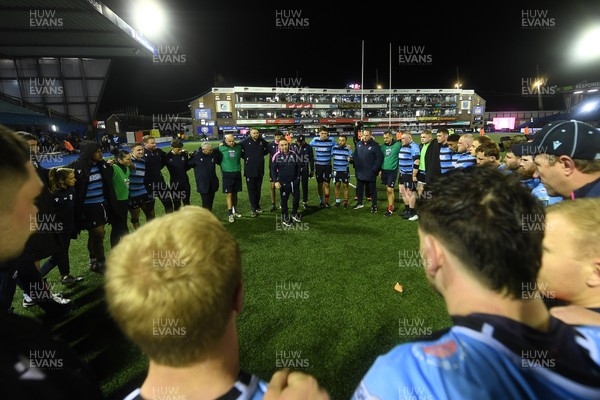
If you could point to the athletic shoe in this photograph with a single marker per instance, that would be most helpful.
(237, 215)
(70, 279)
(374, 209)
(355, 198)
(297, 218)
(272, 209)
(58, 297)
(97, 267)
(337, 204)
(253, 214)
(388, 213)
(231, 218)
(259, 211)
(286, 222)
(28, 302)
(304, 205)
(345, 205)
(406, 215)
(327, 205)
(321, 205)
(369, 198)
(358, 206)
(414, 217)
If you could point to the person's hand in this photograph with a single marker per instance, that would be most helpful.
(575, 315)
(286, 385)
(277, 185)
(110, 161)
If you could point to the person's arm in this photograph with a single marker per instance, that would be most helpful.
(274, 172)
(416, 162)
(358, 125)
(218, 156)
(163, 158)
(378, 160)
(286, 385)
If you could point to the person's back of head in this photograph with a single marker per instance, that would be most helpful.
(453, 138)
(171, 285)
(478, 215)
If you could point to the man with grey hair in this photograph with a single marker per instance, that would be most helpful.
(204, 162)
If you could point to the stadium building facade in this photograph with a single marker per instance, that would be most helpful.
(236, 109)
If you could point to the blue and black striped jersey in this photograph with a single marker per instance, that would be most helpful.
(322, 150)
(464, 160)
(445, 158)
(136, 179)
(341, 158)
(95, 187)
(407, 157)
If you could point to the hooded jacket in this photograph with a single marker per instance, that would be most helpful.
(82, 167)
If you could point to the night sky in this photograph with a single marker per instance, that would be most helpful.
(496, 48)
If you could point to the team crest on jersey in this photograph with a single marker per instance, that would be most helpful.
(447, 354)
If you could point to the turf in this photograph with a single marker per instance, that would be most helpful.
(319, 298)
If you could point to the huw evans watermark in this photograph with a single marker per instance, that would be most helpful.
(48, 87)
(162, 259)
(169, 55)
(45, 359)
(172, 191)
(291, 19)
(291, 226)
(167, 393)
(45, 223)
(537, 19)
(536, 291)
(168, 122)
(537, 359)
(290, 291)
(291, 359)
(414, 55)
(413, 327)
(45, 20)
(415, 393)
(410, 259)
(168, 327)
(532, 87)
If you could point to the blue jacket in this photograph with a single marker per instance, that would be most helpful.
(254, 156)
(285, 167)
(205, 170)
(367, 160)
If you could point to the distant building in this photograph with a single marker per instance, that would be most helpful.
(133, 127)
(235, 110)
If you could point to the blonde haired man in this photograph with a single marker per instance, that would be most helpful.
(178, 301)
(571, 259)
